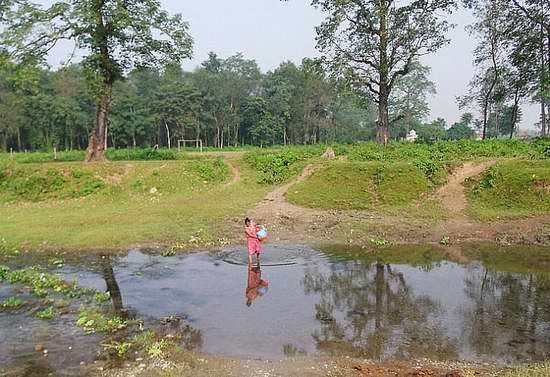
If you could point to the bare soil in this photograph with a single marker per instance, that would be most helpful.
(209, 366)
(290, 223)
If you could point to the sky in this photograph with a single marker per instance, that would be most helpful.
(272, 31)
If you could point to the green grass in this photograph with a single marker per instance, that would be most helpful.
(142, 203)
(510, 189)
(359, 185)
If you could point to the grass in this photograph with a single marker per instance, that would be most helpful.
(142, 203)
(386, 187)
(510, 189)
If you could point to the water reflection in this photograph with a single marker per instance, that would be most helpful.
(510, 314)
(112, 285)
(393, 304)
(371, 311)
(256, 286)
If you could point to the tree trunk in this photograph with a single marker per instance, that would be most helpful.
(19, 139)
(383, 125)
(543, 117)
(168, 135)
(514, 113)
(96, 143)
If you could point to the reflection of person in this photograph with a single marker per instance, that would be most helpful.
(254, 243)
(256, 286)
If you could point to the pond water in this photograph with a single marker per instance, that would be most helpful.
(303, 302)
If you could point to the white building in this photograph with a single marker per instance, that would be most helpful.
(412, 136)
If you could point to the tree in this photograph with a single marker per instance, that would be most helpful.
(462, 129)
(375, 43)
(430, 132)
(409, 100)
(115, 35)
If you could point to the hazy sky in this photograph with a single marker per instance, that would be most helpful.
(272, 31)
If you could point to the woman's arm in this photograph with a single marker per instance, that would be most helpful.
(251, 232)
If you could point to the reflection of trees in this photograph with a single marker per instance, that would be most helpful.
(172, 327)
(112, 285)
(369, 310)
(510, 314)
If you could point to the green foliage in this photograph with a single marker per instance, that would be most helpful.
(277, 166)
(44, 283)
(119, 349)
(211, 170)
(511, 189)
(11, 303)
(542, 148)
(101, 297)
(94, 321)
(141, 154)
(19, 183)
(358, 185)
(446, 152)
(46, 314)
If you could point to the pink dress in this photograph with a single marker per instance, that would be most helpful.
(254, 244)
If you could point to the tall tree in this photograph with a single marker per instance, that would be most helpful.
(375, 42)
(409, 100)
(115, 36)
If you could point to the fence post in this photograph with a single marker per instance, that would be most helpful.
(54, 153)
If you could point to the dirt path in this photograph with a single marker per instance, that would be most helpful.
(285, 220)
(290, 223)
(235, 172)
(452, 194)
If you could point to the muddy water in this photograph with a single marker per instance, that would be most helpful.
(305, 302)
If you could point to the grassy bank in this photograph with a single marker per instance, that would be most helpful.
(510, 189)
(381, 187)
(113, 205)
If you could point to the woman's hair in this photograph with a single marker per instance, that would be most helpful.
(246, 221)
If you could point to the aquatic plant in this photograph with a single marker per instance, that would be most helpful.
(119, 349)
(101, 297)
(11, 303)
(47, 314)
(43, 283)
(94, 321)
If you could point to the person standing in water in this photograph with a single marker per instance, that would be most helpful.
(253, 242)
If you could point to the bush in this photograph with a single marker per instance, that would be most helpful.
(35, 184)
(276, 166)
(210, 170)
(141, 154)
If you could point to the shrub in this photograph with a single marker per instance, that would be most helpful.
(276, 166)
(210, 170)
(141, 154)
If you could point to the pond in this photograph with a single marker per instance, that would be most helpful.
(303, 301)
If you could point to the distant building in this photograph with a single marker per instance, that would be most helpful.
(412, 136)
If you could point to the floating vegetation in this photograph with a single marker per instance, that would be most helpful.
(47, 314)
(42, 284)
(94, 321)
(11, 303)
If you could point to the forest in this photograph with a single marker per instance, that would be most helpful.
(228, 101)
